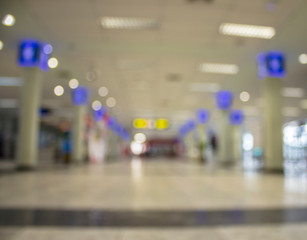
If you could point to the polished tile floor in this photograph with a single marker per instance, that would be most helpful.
(155, 199)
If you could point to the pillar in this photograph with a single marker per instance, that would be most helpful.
(273, 152)
(29, 119)
(78, 133)
(237, 144)
(202, 144)
(224, 139)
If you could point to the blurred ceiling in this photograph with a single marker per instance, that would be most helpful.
(151, 72)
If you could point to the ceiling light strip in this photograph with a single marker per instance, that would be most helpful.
(243, 30)
(219, 68)
(129, 23)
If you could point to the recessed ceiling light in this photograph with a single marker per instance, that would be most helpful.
(303, 58)
(140, 137)
(291, 111)
(244, 96)
(129, 23)
(59, 90)
(205, 87)
(304, 104)
(1, 45)
(292, 92)
(96, 105)
(111, 102)
(11, 81)
(244, 30)
(73, 83)
(103, 91)
(8, 103)
(53, 63)
(219, 68)
(47, 49)
(8, 20)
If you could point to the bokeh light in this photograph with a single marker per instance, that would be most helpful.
(111, 102)
(103, 91)
(96, 105)
(244, 96)
(303, 58)
(73, 83)
(53, 62)
(8, 20)
(58, 90)
(140, 137)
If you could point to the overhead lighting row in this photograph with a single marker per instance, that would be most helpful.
(219, 68)
(292, 92)
(129, 23)
(243, 30)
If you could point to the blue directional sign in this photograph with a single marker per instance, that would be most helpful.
(236, 117)
(275, 62)
(202, 115)
(271, 64)
(45, 52)
(224, 99)
(99, 114)
(187, 127)
(29, 53)
(80, 96)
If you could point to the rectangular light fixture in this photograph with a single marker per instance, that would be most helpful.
(304, 104)
(291, 111)
(244, 30)
(205, 87)
(129, 23)
(10, 81)
(219, 68)
(292, 92)
(8, 103)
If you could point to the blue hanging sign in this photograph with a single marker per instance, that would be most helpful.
(80, 96)
(236, 117)
(45, 52)
(99, 114)
(187, 127)
(271, 64)
(224, 100)
(29, 53)
(202, 115)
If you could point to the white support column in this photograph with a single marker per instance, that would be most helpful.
(201, 129)
(237, 144)
(224, 139)
(273, 150)
(29, 120)
(78, 133)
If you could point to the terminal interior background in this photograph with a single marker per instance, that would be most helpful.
(150, 65)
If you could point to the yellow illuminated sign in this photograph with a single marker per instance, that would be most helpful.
(162, 123)
(144, 123)
(140, 123)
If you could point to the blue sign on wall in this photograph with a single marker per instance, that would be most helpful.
(224, 100)
(29, 53)
(202, 115)
(271, 64)
(236, 117)
(80, 96)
